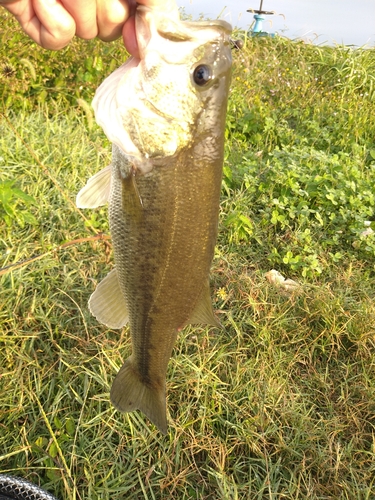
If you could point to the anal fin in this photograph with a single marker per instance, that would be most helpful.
(108, 304)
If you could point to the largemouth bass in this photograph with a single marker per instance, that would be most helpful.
(165, 115)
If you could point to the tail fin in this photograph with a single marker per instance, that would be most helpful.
(129, 393)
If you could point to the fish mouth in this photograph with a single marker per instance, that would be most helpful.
(163, 34)
(219, 24)
(160, 36)
(151, 22)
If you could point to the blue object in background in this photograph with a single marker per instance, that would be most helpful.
(324, 22)
(258, 26)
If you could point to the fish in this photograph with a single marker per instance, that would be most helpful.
(164, 113)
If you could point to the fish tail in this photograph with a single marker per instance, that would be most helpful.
(129, 393)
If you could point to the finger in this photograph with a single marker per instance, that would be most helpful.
(128, 35)
(111, 16)
(129, 32)
(56, 26)
(3, 2)
(84, 14)
(45, 21)
(13, 6)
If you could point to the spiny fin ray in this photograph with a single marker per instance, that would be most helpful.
(203, 313)
(132, 203)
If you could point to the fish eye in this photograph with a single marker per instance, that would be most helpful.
(202, 74)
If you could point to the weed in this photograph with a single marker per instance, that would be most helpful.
(280, 403)
(10, 199)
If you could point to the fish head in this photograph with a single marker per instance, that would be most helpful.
(157, 105)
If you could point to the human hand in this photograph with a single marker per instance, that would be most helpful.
(53, 23)
(129, 32)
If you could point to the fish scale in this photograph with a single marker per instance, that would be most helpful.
(167, 128)
(168, 263)
(163, 271)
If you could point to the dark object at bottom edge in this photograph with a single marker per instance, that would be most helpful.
(16, 488)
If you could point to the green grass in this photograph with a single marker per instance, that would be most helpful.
(278, 405)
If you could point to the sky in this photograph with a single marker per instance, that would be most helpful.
(326, 22)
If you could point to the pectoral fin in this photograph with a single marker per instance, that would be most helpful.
(203, 312)
(108, 304)
(96, 191)
(132, 202)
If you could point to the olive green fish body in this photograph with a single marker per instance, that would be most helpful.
(164, 184)
(163, 271)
